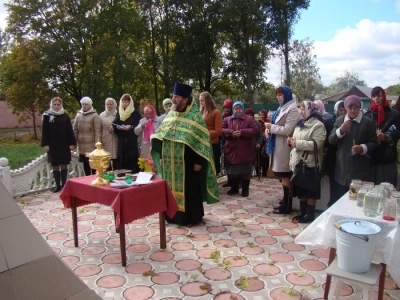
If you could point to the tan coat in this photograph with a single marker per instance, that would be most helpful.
(284, 127)
(313, 129)
(87, 130)
(144, 147)
(109, 140)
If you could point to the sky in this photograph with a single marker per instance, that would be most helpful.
(362, 36)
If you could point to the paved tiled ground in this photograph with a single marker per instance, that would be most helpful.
(243, 251)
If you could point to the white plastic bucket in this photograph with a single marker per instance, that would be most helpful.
(355, 245)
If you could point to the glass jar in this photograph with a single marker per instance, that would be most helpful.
(354, 187)
(396, 195)
(390, 210)
(111, 176)
(372, 201)
(361, 194)
(128, 178)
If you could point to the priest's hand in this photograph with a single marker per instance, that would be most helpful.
(197, 168)
(161, 163)
(71, 147)
(46, 148)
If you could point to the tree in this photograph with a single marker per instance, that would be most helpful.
(304, 72)
(26, 90)
(393, 89)
(344, 82)
(285, 14)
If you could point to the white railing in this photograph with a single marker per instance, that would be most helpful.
(34, 177)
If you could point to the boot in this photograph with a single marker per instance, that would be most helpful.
(280, 201)
(226, 184)
(64, 175)
(310, 215)
(56, 175)
(245, 187)
(234, 187)
(283, 208)
(302, 211)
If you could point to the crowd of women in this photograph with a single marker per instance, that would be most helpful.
(351, 144)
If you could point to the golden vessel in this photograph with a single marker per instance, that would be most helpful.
(99, 159)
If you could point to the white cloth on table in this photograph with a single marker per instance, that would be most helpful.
(392, 254)
(322, 231)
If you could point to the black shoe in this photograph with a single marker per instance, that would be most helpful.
(245, 187)
(302, 211)
(280, 203)
(310, 215)
(57, 189)
(234, 187)
(281, 210)
(233, 191)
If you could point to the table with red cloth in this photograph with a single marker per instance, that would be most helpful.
(128, 204)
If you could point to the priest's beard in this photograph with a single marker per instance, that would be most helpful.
(179, 107)
(173, 107)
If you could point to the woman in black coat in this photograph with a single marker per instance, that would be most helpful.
(124, 123)
(58, 140)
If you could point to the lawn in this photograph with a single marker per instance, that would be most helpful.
(20, 151)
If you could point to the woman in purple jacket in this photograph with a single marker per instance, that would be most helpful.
(239, 132)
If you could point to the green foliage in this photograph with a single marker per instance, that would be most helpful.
(20, 150)
(393, 90)
(344, 82)
(304, 72)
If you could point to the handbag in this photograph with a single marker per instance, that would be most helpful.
(308, 178)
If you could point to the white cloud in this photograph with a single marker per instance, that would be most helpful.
(371, 49)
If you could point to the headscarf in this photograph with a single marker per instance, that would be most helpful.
(380, 109)
(338, 105)
(311, 111)
(321, 106)
(228, 103)
(149, 129)
(249, 111)
(51, 113)
(166, 101)
(287, 96)
(233, 107)
(125, 113)
(113, 112)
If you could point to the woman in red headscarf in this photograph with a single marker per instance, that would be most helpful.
(387, 120)
(147, 126)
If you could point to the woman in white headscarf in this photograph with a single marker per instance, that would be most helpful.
(108, 138)
(58, 140)
(87, 130)
(124, 123)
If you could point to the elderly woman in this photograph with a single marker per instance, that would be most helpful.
(123, 125)
(282, 125)
(310, 128)
(167, 103)
(213, 120)
(387, 125)
(355, 136)
(87, 130)
(58, 140)
(147, 126)
(240, 133)
(108, 138)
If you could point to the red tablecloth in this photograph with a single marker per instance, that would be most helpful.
(136, 201)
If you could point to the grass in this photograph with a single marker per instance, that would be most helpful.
(20, 150)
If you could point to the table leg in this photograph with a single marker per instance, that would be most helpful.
(382, 282)
(115, 222)
(74, 221)
(122, 242)
(163, 235)
(332, 254)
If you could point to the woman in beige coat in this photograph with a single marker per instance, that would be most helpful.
(87, 130)
(108, 138)
(309, 128)
(283, 122)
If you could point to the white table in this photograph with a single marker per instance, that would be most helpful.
(322, 232)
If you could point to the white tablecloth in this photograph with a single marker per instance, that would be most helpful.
(322, 232)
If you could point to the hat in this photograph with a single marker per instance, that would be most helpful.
(228, 103)
(86, 100)
(249, 111)
(352, 100)
(167, 101)
(182, 90)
